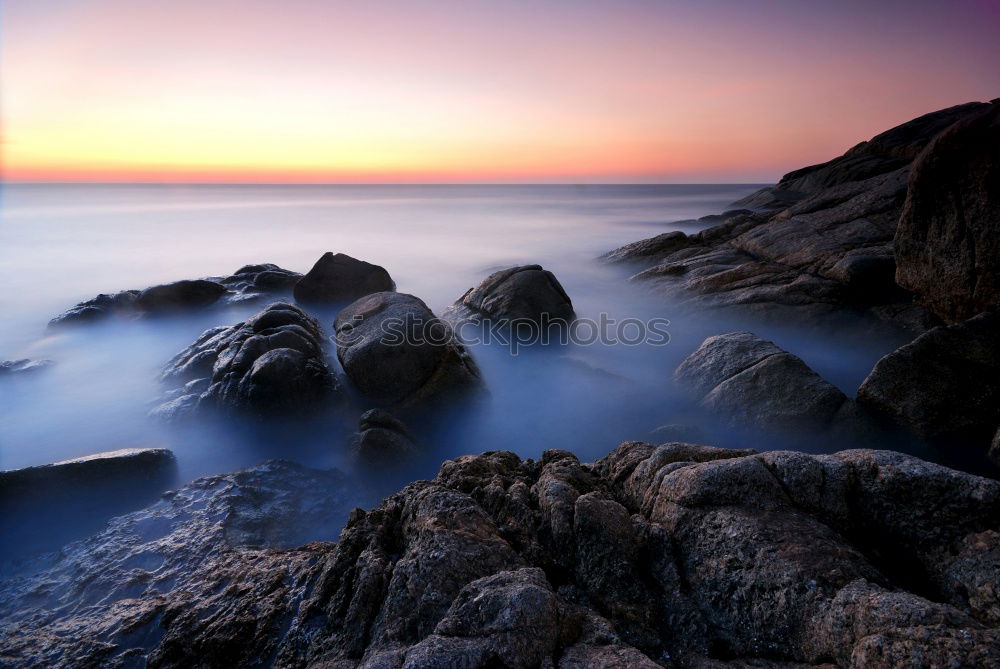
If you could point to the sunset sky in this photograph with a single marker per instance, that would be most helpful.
(578, 91)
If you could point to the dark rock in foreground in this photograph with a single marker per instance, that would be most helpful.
(945, 384)
(752, 382)
(338, 279)
(398, 353)
(673, 556)
(948, 240)
(526, 293)
(273, 363)
(382, 441)
(23, 366)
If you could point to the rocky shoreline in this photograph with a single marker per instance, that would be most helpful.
(671, 555)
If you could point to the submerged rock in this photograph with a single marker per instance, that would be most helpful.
(271, 364)
(944, 385)
(677, 555)
(22, 366)
(754, 383)
(339, 278)
(526, 293)
(382, 440)
(252, 282)
(398, 353)
(948, 241)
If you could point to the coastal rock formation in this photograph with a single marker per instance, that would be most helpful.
(948, 240)
(382, 440)
(754, 383)
(22, 366)
(247, 283)
(820, 240)
(339, 278)
(945, 384)
(273, 363)
(525, 293)
(396, 352)
(671, 556)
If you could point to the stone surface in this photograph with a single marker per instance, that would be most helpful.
(649, 250)
(22, 366)
(525, 293)
(179, 295)
(382, 441)
(752, 382)
(271, 364)
(396, 352)
(948, 241)
(252, 282)
(97, 308)
(339, 278)
(676, 556)
(945, 384)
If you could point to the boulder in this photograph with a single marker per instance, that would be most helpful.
(948, 241)
(526, 293)
(396, 352)
(382, 440)
(252, 282)
(22, 366)
(97, 308)
(179, 295)
(754, 383)
(944, 385)
(678, 555)
(271, 364)
(339, 278)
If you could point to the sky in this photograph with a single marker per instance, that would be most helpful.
(479, 91)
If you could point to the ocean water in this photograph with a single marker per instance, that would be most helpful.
(60, 244)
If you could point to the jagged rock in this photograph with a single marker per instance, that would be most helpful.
(398, 353)
(945, 384)
(97, 308)
(525, 293)
(754, 383)
(382, 440)
(336, 279)
(23, 366)
(948, 241)
(678, 555)
(179, 295)
(273, 363)
(254, 281)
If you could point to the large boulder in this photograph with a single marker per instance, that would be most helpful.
(526, 293)
(339, 278)
(179, 295)
(752, 382)
(948, 240)
(944, 385)
(678, 555)
(271, 364)
(396, 352)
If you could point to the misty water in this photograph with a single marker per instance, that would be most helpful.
(60, 244)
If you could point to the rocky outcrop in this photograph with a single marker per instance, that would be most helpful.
(271, 364)
(526, 293)
(673, 556)
(339, 278)
(948, 241)
(753, 383)
(249, 282)
(944, 385)
(820, 240)
(22, 366)
(382, 441)
(397, 353)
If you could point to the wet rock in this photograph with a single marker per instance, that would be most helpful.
(677, 555)
(179, 295)
(97, 308)
(23, 366)
(398, 353)
(271, 364)
(944, 385)
(255, 281)
(648, 251)
(524, 293)
(754, 383)
(339, 278)
(382, 440)
(948, 241)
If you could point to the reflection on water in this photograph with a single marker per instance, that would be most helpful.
(62, 244)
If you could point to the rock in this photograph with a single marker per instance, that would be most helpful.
(523, 294)
(676, 555)
(382, 440)
(396, 352)
(648, 251)
(97, 308)
(23, 366)
(337, 279)
(944, 385)
(995, 448)
(254, 281)
(754, 383)
(948, 241)
(271, 364)
(179, 295)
